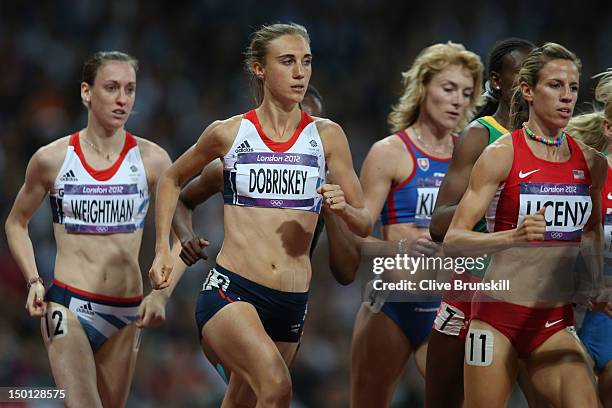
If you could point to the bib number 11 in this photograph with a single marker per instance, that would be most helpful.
(479, 348)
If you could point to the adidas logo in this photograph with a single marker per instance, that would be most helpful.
(86, 309)
(69, 176)
(244, 147)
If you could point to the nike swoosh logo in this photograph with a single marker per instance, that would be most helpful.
(523, 175)
(609, 196)
(549, 324)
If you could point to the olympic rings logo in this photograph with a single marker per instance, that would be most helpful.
(556, 235)
(276, 203)
(101, 229)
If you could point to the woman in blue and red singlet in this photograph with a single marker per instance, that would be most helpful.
(543, 193)
(400, 178)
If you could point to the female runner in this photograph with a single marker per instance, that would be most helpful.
(251, 310)
(98, 180)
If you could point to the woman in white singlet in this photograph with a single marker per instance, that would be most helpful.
(251, 310)
(99, 180)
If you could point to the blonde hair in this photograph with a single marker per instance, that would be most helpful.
(428, 63)
(258, 47)
(603, 92)
(530, 74)
(588, 127)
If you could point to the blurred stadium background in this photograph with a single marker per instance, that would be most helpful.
(191, 73)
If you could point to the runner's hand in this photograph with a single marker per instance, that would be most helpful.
(532, 228)
(193, 250)
(333, 198)
(35, 304)
(160, 271)
(152, 311)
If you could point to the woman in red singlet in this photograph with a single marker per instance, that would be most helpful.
(539, 185)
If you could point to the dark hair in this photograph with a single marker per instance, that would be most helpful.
(314, 93)
(530, 74)
(495, 62)
(258, 46)
(311, 90)
(93, 63)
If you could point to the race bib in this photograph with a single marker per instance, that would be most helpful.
(102, 209)
(54, 323)
(568, 207)
(280, 180)
(427, 193)
(479, 347)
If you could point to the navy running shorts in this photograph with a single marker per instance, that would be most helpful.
(282, 313)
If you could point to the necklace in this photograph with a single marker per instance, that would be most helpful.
(555, 141)
(108, 156)
(430, 146)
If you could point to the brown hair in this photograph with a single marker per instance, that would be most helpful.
(258, 46)
(96, 61)
(530, 74)
(93, 63)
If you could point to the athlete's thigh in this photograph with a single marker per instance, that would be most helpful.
(533, 397)
(559, 372)
(237, 337)
(420, 357)
(240, 393)
(378, 342)
(214, 359)
(115, 362)
(490, 367)
(605, 385)
(70, 356)
(379, 354)
(288, 351)
(444, 374)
